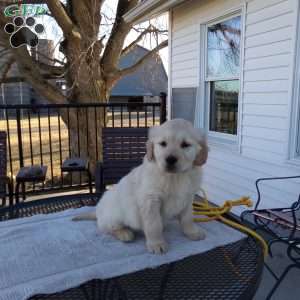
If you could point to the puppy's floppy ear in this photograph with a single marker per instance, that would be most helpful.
(202, 155)
(150, 144)
(150, 150)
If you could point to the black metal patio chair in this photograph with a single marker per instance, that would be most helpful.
(123, 149)
(5, 181)
(282, 224)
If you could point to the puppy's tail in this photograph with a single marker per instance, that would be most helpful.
(86, 216)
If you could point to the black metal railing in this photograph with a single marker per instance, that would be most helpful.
(47, 134)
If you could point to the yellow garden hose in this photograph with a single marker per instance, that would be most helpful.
(209, 212)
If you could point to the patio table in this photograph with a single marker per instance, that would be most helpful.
(232, 271)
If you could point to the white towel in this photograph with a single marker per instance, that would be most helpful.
(51, 253)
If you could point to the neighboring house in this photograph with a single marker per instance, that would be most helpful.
(145, 84)
(235, 71)
(20, 92)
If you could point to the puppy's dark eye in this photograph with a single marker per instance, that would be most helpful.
(163, 144)
(185, 145)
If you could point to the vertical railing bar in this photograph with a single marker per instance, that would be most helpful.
(78, 141)
(96, 131)
(40, 141)
(138, 116)
(87, 131)
(40, 137)
(145, 108)
(121, 115)
(30, 142)
(163, 108)
(153, 114)
(9, 145)
(20, 143)
(68, 126)
(78, 137)
(104, 115)
(60, 147)
(30, 136)
(113, 116)
(50, 146)
(69, 139)
(129, 110)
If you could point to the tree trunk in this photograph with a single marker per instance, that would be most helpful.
(86, 84)
(85, 132)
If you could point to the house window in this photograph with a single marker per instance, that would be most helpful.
(222, 75)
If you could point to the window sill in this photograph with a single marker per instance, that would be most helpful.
(223, 143)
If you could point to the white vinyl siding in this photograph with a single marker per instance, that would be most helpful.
(269, 42)
(266, 95)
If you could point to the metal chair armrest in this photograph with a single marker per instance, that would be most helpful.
(257, 182)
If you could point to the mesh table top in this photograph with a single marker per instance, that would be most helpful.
(229, 272)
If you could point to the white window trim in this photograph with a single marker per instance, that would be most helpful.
(294, 138)
(202, 109)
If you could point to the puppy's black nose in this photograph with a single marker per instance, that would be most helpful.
(171, 160)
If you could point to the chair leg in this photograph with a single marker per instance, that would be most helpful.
(23, 192)
(11, 193)
(273, 241)
(17, 192)
(90, 181)
(278, 282)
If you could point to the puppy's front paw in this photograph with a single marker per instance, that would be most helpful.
(157, 247)
(194, 233)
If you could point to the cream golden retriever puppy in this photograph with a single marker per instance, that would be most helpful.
(161, 188)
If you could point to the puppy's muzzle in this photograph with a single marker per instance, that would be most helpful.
(171, 163)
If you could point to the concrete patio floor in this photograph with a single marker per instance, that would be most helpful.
(290, 287)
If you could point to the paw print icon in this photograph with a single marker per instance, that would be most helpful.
(24, 31)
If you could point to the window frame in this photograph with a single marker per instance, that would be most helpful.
(214, 135)
(293, 156)
(295, 128)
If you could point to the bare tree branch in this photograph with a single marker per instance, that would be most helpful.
(6, 67)
(40, 83)
(64, 21)
(53, 70)
(118, 34)
(142, 60)
(132, 45)
(4, 52)
(50, 59)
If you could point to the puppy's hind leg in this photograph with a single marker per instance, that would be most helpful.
(123, 234)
